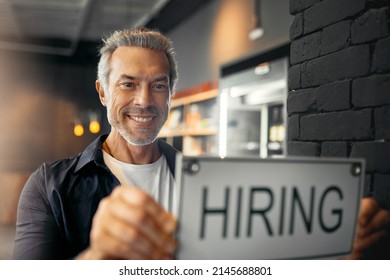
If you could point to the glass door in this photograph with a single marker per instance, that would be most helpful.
(253, 110)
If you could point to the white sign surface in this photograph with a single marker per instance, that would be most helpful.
(267, 208)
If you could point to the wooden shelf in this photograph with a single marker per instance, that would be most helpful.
(171, 133)
(194, 98)
(188, 132)
(191, 125)
(200, 132)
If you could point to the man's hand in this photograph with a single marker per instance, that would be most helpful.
(129, 224)
(372, 238)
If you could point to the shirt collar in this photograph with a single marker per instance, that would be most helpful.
(92, 153)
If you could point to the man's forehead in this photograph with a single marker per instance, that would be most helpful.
(134, 51)
(138, 55)
(137, 63)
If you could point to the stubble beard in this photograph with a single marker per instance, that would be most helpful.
(148, 135)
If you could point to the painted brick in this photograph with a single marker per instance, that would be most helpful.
(305, 48)
(294, 77)
(299, 5)
(371, 91)
(333, 96)
(382, 123)
(349, 63)
(293, 127)
(347, 125)
(300, 101)
(355, 43)
(370, 26)
(330, 11)
(381, 57)
(336, 37)
(309, 149)
(377, 155)
(382, 190)
(296, 28)
(334, 149)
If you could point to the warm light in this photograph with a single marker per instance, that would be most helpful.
(94, 127)
(78, 130)
(256, 33)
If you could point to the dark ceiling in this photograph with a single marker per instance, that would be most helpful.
(73, 28)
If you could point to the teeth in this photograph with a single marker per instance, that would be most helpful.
(142, 119)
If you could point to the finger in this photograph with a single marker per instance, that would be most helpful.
(169, 245)
(368, 208)
(131, 216)
(136, 219)
(380, 221)
(356, 255)
(137, 197)
(135, 216)
(103, 225)
(352, 256)
(130, 237)
(362, 244)
(116, 237)
(111, 247)
(150, 244)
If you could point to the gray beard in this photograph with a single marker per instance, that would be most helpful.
(127, 136)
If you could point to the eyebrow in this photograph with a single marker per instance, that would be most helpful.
(158, 79)
(162, 78)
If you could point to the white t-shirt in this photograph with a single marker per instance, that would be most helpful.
(154, 178)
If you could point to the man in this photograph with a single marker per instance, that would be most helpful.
(113, 200)
(136, 77)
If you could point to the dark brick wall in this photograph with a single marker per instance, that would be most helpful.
(339, 80)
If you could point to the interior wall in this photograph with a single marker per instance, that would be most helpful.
(339, 102)
(219, 33)
(41, 96)
(40, 100)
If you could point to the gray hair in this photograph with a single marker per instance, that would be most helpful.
(136, 37)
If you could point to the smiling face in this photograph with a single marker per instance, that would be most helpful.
(138, 94)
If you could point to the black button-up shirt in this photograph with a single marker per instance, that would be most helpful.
(59, 200)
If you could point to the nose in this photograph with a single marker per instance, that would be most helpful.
(143, 97)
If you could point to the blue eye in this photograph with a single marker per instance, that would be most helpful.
(128, 85)
(160, 86)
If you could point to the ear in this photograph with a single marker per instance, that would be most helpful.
(100, 90)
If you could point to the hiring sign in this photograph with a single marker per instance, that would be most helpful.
(238, 208)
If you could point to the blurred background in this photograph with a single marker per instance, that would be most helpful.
(49, 108)
(260, 78)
